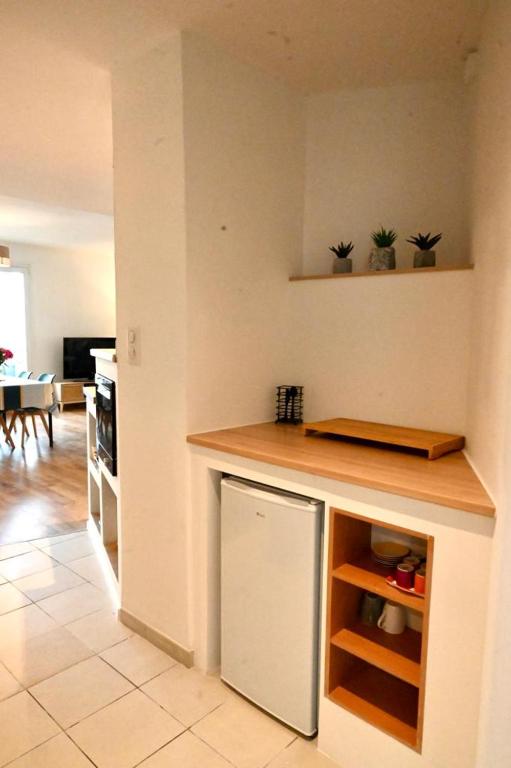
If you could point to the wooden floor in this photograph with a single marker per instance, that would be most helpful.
(43, 490)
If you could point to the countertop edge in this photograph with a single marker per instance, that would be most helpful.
(207, 440)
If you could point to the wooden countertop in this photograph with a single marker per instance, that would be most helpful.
(449, 480)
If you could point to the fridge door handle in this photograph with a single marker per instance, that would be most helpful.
(273, 498)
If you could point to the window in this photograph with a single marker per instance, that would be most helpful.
(13, 315)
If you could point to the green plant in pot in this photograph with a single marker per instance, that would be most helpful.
(383, 255)
(341, 262)
(425, 256)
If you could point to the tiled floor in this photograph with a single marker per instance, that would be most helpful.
(79, 689)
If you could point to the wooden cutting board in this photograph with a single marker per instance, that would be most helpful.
(433, 444)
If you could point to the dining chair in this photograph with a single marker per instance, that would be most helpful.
(32, 412)
(8, 439)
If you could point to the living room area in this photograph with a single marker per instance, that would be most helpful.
(57, 281)
(59, 300)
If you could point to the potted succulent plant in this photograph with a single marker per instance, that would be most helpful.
(425, 256)
(341, 262)
(383, 255)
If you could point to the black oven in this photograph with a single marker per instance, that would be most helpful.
(106, 437)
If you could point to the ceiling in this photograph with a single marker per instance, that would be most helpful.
(22, 221)
(55, 56)
(316, 45)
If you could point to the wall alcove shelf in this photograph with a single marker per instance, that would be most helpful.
(382, 273)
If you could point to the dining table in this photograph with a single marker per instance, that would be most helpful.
(16, 394)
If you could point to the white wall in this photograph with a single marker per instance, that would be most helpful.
(244, 140)
(209, 183)
(389, 349)
(150, 270)
(70, 293)
(490, 385)
(393, 156)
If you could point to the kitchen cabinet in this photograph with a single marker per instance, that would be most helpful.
(410, 700)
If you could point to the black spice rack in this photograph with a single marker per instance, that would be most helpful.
(289, 404)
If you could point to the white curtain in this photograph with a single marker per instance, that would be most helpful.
(13, 327)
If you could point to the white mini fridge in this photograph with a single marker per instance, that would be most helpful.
(271, 544)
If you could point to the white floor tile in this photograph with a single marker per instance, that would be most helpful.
(59, 752)
(19, 626)
(243, 734)
(187, 751)
(72, 695)
(72, 549)
(8, 684)
(11, 598)
(302, 754)
(24, 726)
(126, 732)
(89, 569)
(74, 603)
(186, 693)
(137, 659)
(12, 550)
(47, 583)
(99, 630)
(39, 657)
(24, 565)
(50, 540)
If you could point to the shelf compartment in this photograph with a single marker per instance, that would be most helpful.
(94, 471)
(95, 517)
(382, 700)
(368, 575)
(399, 655)
(113, 555)
(377, 676)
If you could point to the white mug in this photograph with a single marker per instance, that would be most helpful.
(393, 618)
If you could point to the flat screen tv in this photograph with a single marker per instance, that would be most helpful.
(78, 363)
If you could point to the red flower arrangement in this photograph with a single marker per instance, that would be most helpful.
(5, 354)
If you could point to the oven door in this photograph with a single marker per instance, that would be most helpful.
(105, 422)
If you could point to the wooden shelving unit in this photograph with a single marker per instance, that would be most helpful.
(377, 676)
(103, 489)
(382, 273)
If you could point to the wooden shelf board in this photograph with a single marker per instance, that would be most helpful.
(433, 444)
(382, 273)
(448, 481)
(382, 701)
(399, 655)
(368, 575)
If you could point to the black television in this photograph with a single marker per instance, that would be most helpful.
(78, 363)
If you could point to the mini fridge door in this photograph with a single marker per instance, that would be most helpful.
(270, 585)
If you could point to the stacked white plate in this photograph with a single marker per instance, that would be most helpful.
(389, 553)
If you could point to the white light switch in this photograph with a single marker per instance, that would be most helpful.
(133, 342)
